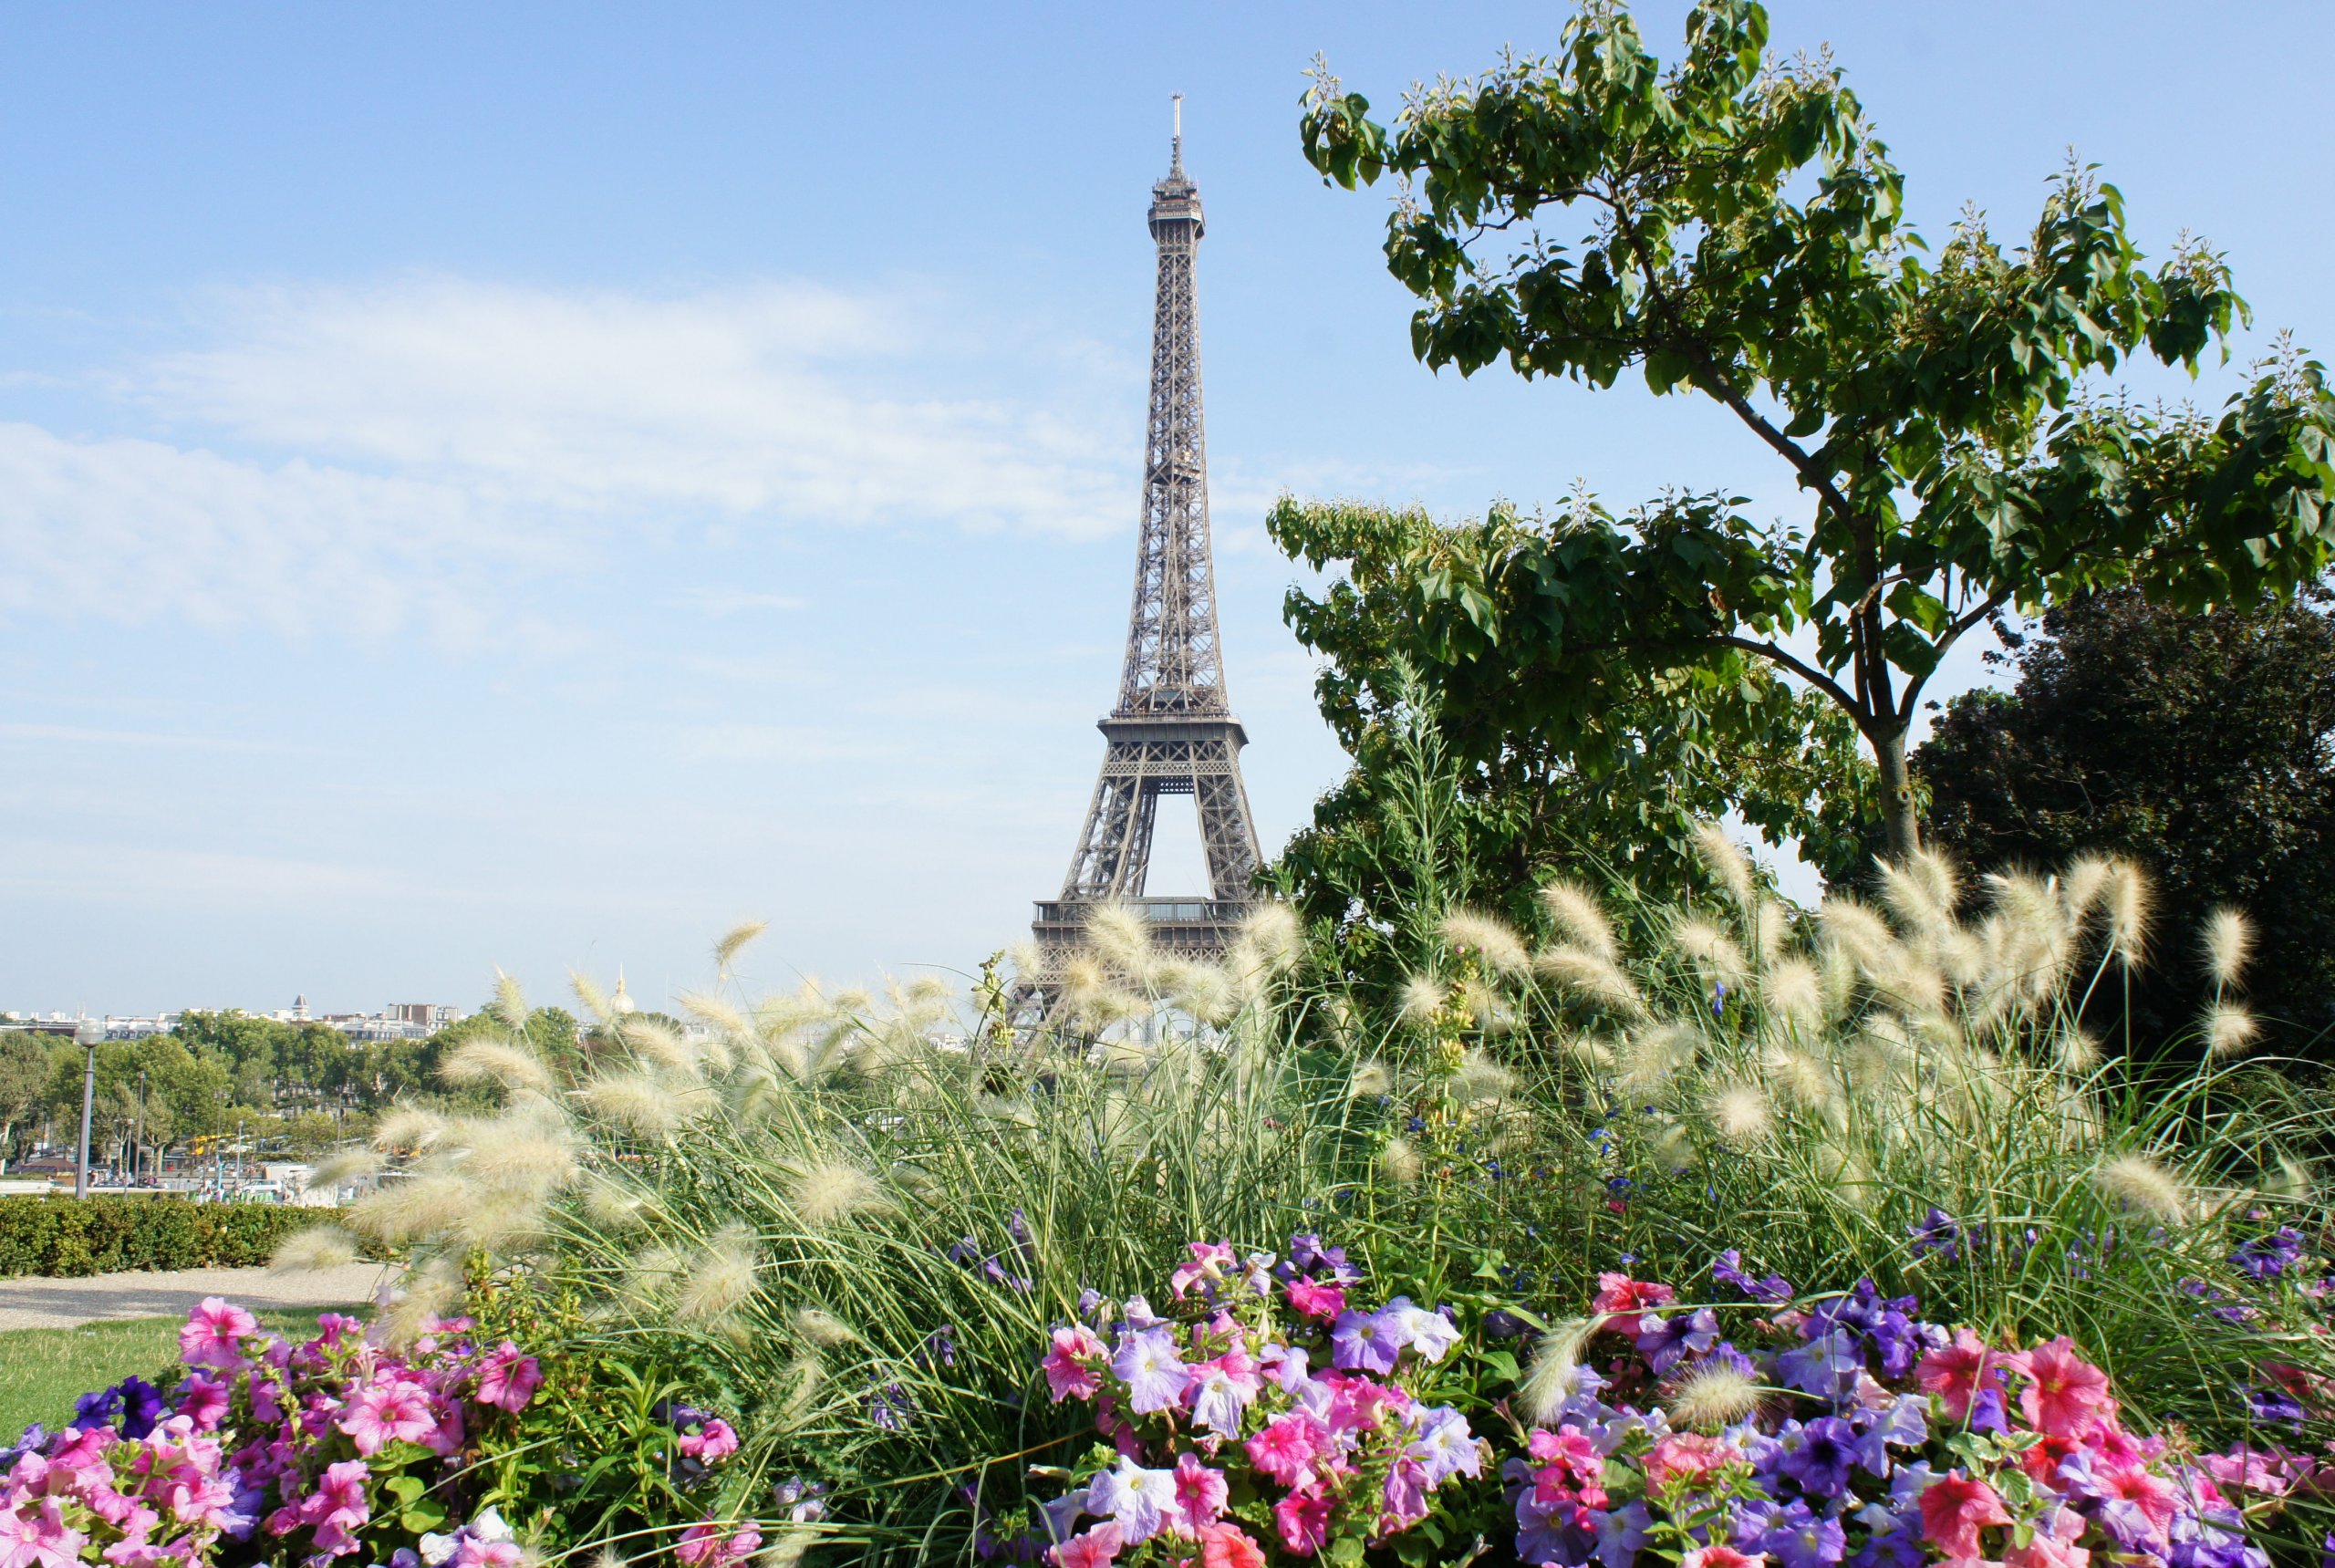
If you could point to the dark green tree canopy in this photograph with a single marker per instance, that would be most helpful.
(1731, 226)
(2200, 746)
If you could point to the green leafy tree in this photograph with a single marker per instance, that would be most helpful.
(1732, 228)
(1617, 793)
(24, 1080)
(2200, 746)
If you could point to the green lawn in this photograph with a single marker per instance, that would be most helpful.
(44, 1370)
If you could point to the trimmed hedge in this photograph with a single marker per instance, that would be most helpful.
(64, 1238)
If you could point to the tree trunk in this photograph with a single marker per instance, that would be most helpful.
(1898, 810)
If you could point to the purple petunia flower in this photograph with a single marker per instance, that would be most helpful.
(1154, 1373)
(1620, 1534)
(1800, 1538)
(1826, 1367)
(1727, 1271)
(1368, 1342)
(1817, 1457)
(2266, 1257)
(143, 1407)
(1663, 1341)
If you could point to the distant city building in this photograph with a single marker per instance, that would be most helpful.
(399, 1020)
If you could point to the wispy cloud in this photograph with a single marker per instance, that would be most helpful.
(381, 459)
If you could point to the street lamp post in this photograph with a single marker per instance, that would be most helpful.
(138, 1132)
(88, 1035)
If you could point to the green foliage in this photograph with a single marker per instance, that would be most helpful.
(2200, 746)
(1732, 227)
(24, 1081)
(65, 1238)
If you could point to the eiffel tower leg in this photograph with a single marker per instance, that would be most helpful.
(1228, 835)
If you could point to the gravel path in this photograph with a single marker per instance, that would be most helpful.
(64, 1303)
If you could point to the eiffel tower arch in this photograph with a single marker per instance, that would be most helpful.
(1172, 732)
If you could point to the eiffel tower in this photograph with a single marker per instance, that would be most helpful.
(1173, 731)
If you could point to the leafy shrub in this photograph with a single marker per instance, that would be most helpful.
(66, 1238)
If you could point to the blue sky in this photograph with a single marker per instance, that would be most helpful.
(533, 484)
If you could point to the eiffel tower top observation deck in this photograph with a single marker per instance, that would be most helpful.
(1172, 732)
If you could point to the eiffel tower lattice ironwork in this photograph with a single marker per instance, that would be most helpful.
(1172, 732)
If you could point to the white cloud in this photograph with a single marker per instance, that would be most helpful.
(784, 400)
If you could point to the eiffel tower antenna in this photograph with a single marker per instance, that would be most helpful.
(1172, 732)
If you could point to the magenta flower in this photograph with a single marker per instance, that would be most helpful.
(507, 1380)
(716, 1439)
(386, 1412)
(214, 1334)
(205, 1401)
(1199, 1495)
(1289, 1446)
(1095, 1549)
(37, 1536)
(1320, 1301)
(1210, 1259)
(1304, 1518)
(1070, 1365)
(710, 1545)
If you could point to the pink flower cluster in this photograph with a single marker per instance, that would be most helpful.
(1260, 1380)
(281, 1445)
(1848, 1432)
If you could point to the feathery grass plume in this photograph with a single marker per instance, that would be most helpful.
(1858, 932)
(342, 1166)
(1652, 1057)
(835, 1189)
(1726, 861)
(1592, 977)
(1490, 939)
(1577, 913)
(499, 1219)
(1590, 1051)
(416, 1206)
(2075, 1050)
(613, 1204)
(2084, 885)
(509, 1005)
(1489, 1009)
(1205, 991)
(519, 1154)
(640, 1103)
(1370, 1080)
(1801, 1076)
(2228, 942)
(2137, 1182)
(1398, 1162)
(715, 1012)
(407, 1129)
(502, 1064)
(1738, 1113)
(425, 1294)
(1422, 999)
(1027, 959)
(732, 943)
(1714, 1395)
(1674, 1146)
(317, 1247)
(1793, 991)
(2229, 1030)
(2131, 903)
(1082, 979)
(1479, 1078)
(721, 1277)
(1966, 958)
(2292, 1180)
(659, 1043)
(1274, 933)
(1554, 1375)
(1121, 937)
(1921, 890)
(823, 1328)
(1711, 949)
(590, 995)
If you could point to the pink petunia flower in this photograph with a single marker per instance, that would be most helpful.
(1200, 1496)
(1304, 1518)
(1288, 1447)
(710, 1545)
(1722, 1557)
(1229, 1546)
(1620, 1294)
(37, 1536)
(1323, 1303)
(1210, 1259)
(2066, 1395)
(715, 1439)
(1955, 1507)
(1957, 1372)
(1071, 1366)
(508, 1380)
(1094, 1549)
(216, 1329)
(384, 1413)
(204, 1400)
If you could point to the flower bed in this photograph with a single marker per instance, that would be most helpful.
(268, 1451)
